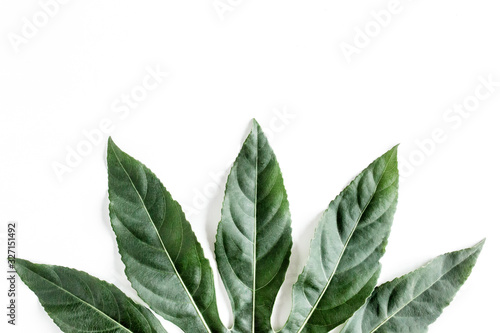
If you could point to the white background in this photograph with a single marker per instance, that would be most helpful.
(280, 62)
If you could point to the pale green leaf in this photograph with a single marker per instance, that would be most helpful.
(409, 304)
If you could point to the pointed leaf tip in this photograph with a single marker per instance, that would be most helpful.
(414, 301)
(111, 142)
(352, 234)
(254, 235)
(164, 260)
(480, 244)
(112, 146)
(256, 128)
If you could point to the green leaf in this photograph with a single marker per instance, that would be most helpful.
(78, 302)
(343, 264)
(166, 265)
(254, 235)
(414, 301)
(163, 259)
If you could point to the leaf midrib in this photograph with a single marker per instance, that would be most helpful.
(163, 246)
(106, 316)
(343, 249)
(255, 231)
(418, 295)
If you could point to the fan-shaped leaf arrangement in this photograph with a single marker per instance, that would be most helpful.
(167, 267)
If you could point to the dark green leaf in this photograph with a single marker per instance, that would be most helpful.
(409, 304)
(343, 264)
(78, 302)
(163, 259)
(254, 236)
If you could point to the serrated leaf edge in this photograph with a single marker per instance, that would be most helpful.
(195, 306)
(477, 247)
(394, 149)
(66, 291)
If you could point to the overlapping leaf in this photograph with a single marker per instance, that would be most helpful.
(80, 303)
(414, 301)
(166, 265)
(254, 236)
